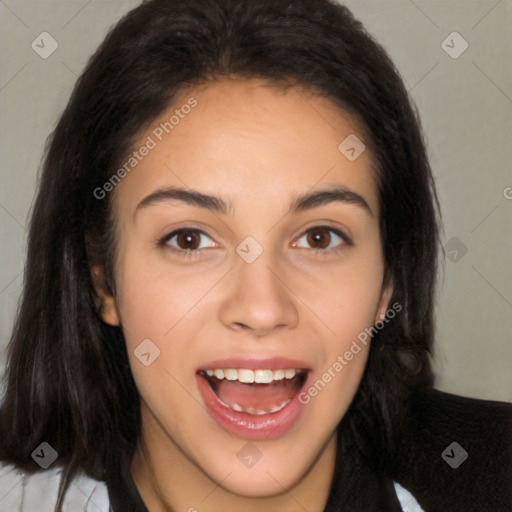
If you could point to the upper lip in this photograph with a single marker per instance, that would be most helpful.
(273, 363)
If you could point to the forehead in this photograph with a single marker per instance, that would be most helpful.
(249, 141)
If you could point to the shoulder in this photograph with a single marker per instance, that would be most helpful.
(38, 492)
(476, 410)
(454, 453)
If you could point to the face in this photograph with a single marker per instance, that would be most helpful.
(248, 262)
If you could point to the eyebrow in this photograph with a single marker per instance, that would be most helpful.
(215, 204)
(188, 196)
(329, 195)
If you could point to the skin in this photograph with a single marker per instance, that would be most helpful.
(256, 147)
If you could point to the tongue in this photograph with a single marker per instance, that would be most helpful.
(258, 396)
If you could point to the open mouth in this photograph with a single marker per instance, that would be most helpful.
(255, 392)
(257, 404)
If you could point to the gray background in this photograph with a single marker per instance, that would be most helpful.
(466, 108)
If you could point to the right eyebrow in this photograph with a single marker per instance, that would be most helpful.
(188, 196)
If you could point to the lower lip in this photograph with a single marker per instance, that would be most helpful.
(249, 426)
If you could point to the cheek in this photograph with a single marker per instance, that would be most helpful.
(347, 308)
(345, 297)
(161, 309)
(346, 300)
(352, 305)
(154, 297)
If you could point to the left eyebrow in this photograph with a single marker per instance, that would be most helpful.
(322, 197)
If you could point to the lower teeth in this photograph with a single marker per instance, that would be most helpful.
(257, 412)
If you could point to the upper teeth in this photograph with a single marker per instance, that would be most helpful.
(250, 376)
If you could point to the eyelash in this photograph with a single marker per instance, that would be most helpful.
(192, 253)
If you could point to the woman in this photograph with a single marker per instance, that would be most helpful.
(230, 276)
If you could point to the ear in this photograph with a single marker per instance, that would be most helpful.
(105, 300)
(385, 297)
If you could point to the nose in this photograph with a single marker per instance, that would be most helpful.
(258, 299)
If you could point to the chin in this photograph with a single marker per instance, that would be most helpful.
(264, 482)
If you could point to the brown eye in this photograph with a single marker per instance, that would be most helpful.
(323, 239)
(319, 238)
(188, 240)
